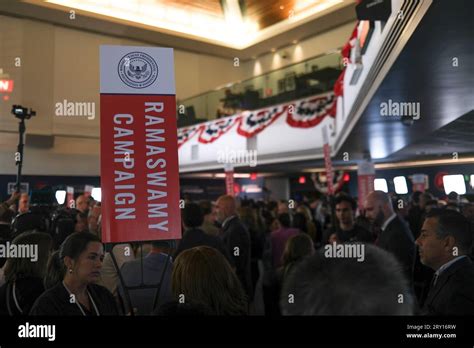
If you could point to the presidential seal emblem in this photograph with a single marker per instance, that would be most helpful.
(138, 70)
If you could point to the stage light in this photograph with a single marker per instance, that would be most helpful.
(400, 185)
(346, 177)
(96, 194)
(302, 179)
(253, 176)
(60, 196)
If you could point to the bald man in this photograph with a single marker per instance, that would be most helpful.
(236, 239)
(395, 236)
(24, 204)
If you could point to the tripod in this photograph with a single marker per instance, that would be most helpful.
(22, 114)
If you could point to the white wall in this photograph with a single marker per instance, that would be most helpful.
(303, 50)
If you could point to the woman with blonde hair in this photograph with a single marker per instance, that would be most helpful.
(296, 249)
(310, 226)
(202, 276)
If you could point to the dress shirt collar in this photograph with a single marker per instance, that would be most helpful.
(389, 220)
(447, 264)
(226, 221)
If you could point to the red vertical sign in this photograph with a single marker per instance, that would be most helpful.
(229, 183)
(365, 181)
(329, 169)
(229, 179)
(139, 154)
(70, 203)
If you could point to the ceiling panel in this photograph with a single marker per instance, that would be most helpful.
(268, 13)
(212, 7)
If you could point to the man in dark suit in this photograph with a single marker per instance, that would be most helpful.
(236, 239)
(395, 236)
(444, 243)
(194, 236)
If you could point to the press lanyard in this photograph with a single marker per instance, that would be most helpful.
(77, 304)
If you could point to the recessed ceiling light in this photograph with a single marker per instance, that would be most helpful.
(295, 42)
(273, 49)
(282, 7)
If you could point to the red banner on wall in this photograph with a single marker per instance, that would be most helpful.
(139, 155)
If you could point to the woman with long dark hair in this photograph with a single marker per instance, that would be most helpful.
(77, 294)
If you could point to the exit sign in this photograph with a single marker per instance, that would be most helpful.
(6, 86)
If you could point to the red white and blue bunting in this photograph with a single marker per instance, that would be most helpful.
(186, 133)
(252, 123)
(212, 131)
(310, 112)
(304, 113)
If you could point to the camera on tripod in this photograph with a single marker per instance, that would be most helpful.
(22, 113)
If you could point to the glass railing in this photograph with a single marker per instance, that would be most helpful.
(312, 76)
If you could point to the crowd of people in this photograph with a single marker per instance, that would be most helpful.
(245, 257)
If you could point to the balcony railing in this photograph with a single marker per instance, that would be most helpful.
(312, 76)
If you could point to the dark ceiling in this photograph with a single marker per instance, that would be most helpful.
(425, 73)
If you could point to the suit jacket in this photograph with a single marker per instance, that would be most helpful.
(197, 237)
(398, 240)
(453, 293)
(153, 268)
(235, 234)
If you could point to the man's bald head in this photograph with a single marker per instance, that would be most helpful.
(24, 203)
(225, 207)
(379, 197)
(378, 207)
